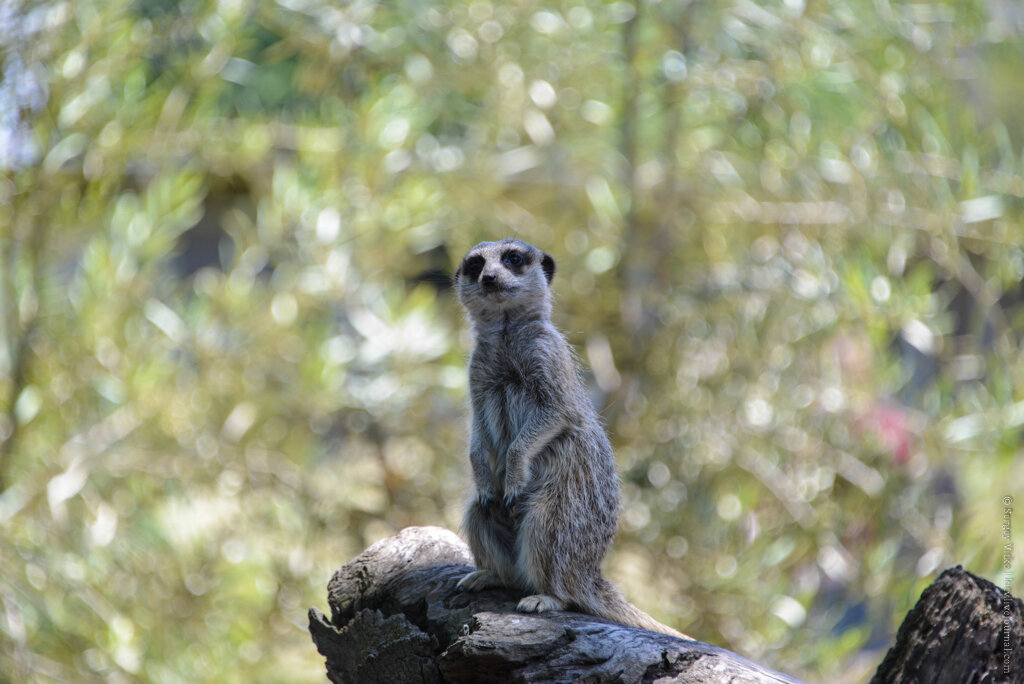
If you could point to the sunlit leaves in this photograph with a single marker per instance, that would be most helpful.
(788, 251)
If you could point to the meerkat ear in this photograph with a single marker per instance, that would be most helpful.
(548, 264)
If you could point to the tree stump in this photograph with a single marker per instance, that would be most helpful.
(963, 629)
(397, 617)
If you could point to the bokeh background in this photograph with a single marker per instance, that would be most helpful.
(790, 253)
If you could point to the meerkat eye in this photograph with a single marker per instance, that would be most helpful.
(513, 258)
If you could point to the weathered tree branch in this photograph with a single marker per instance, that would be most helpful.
(396, 617)
(963, 629)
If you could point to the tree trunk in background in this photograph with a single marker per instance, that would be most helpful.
(396, 617)
(963, 629)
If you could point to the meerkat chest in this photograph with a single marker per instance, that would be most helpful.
(505, 392)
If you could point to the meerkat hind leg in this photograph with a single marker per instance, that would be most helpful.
(539, 603)
(478, 580)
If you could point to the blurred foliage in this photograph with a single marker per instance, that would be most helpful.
(789, 251)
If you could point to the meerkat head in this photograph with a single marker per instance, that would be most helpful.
(505, 277)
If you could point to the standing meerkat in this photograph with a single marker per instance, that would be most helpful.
(547, 494)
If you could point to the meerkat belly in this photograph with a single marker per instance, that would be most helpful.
(506, 408)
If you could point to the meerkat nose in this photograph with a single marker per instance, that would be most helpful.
(488, 279)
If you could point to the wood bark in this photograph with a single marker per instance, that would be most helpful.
(397, 617)
(963, 630)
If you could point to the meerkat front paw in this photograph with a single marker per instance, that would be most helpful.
(539, 603)
(478, 580)
(513, 487)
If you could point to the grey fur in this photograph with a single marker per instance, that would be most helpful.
(547, 494)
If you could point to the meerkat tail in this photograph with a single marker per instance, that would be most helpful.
(608, 602)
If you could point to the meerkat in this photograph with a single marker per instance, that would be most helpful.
(547, 493)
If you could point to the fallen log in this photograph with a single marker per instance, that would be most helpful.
(397, 617)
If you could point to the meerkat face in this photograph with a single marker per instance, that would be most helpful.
(497, 276)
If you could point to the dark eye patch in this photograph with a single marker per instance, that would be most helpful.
(472, 267)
